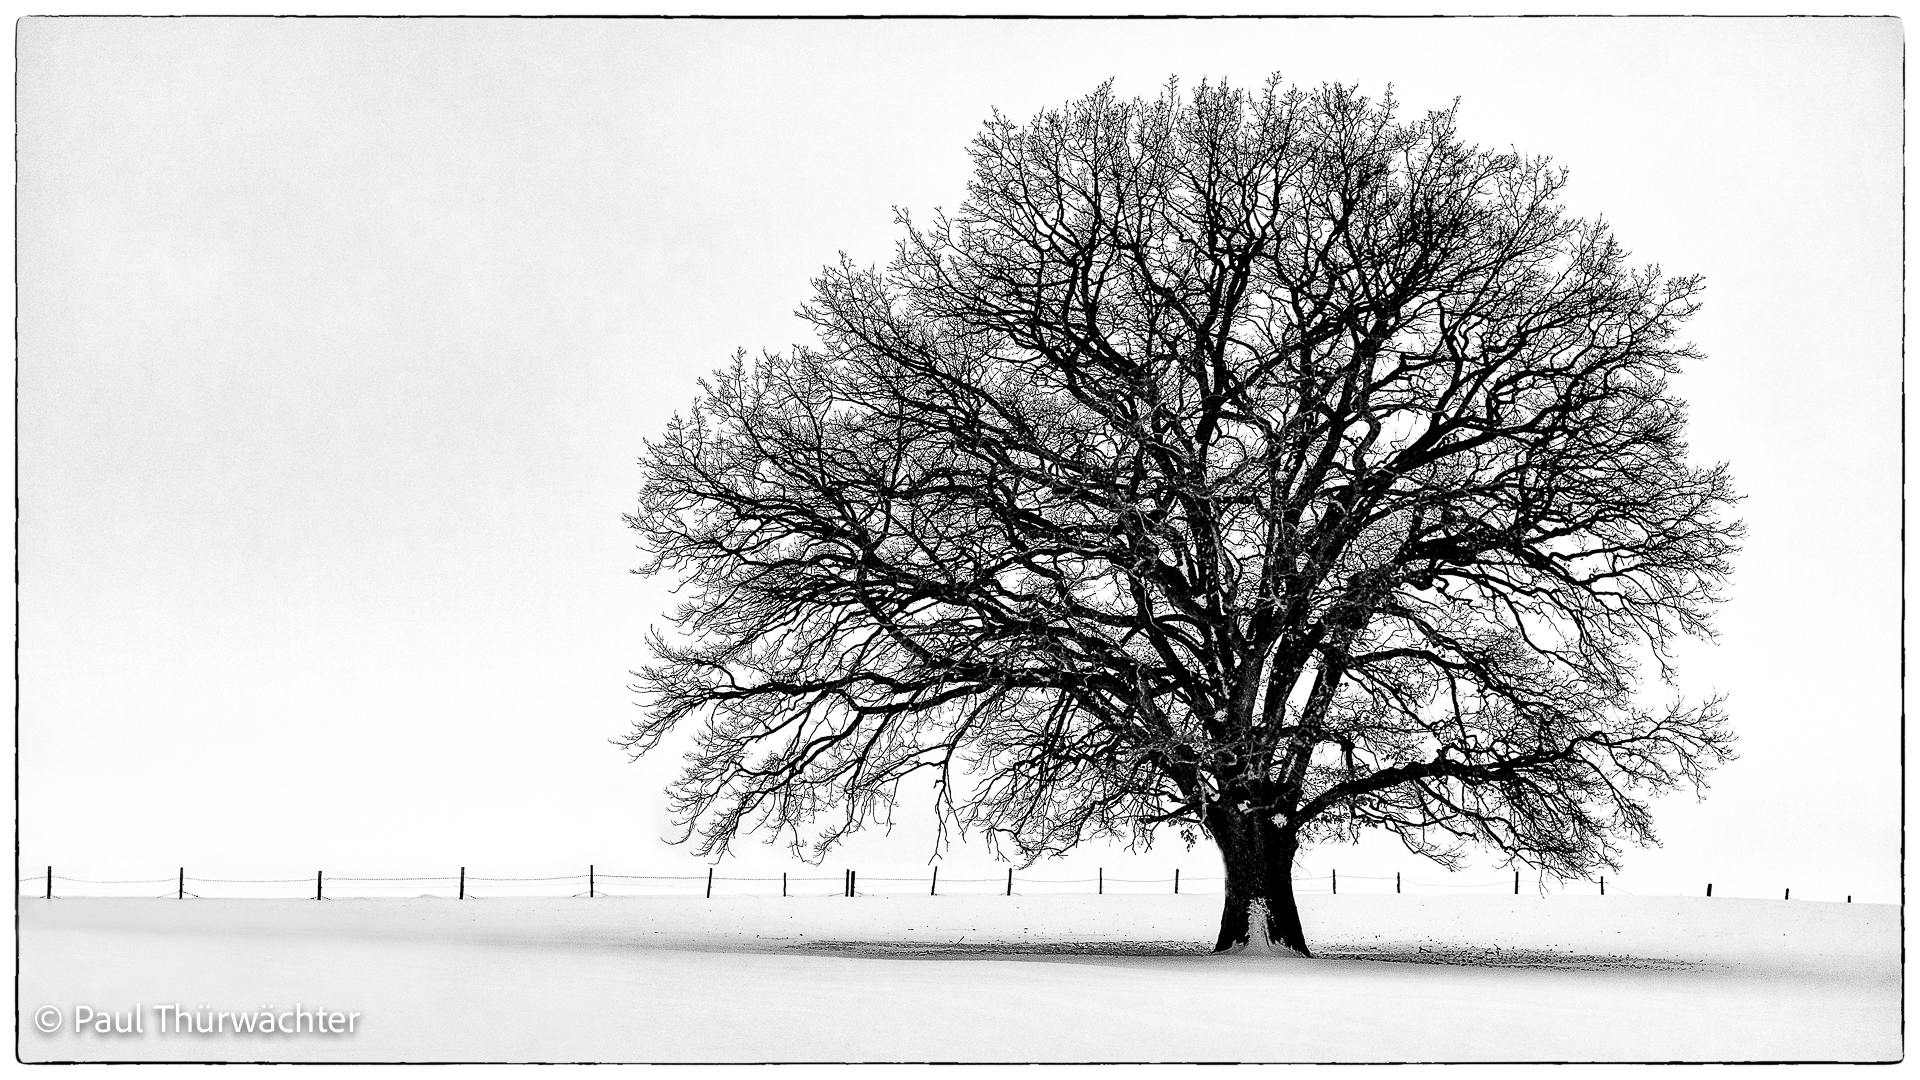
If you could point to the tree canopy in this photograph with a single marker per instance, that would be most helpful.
(1259, 464)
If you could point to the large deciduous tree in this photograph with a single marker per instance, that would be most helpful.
(1258, 464)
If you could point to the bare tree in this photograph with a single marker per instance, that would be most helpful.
(1255, 464)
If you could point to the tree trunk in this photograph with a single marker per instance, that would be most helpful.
(1259, 914)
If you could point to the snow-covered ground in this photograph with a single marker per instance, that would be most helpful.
(970, 978)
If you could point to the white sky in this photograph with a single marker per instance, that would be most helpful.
(338, 341)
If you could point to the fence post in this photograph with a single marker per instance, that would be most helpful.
(1176, 881)
(783, 883)
(709, 882)
(1789, 895)
(463, 883)
(1009, 881)
(1516, 883)
(1603, 884)
(1849, 899)
(846, 889)
(589, 881)
(1709, 888)
(935, 890)
(1396, 881)
(319, 883)
(1336, 883)
(853, 882)
(183, 884)
(49, 882)
(1102, 890)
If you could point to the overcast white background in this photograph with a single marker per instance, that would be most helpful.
(338, 341)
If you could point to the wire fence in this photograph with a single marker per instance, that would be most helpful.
(595, 883)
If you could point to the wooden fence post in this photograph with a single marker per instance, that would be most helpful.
(1176, 881)
(1009, 881)
(783, 883)
(1789, 895)
(853, 882)
(49, 882)
(1102, 889)
(1709, 888)
(463, 883)
(1336, 883)
(709, 882)
(589, 881)
(1516, 883)
(1603, 884)
(183, 884)
(935, 890)
(1396, 881)
(319, 882)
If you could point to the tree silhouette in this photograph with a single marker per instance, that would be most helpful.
(1255, 464)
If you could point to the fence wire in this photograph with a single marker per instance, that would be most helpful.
(598, 883)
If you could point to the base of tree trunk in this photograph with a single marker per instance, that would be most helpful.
(1259, 942)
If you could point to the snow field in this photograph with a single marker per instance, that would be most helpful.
(976, 978)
